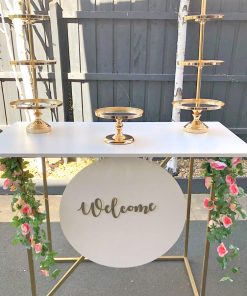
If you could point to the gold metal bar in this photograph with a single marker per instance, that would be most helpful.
(73, 259)
(31, 271)
(203, 7)
(45, 188)
(200, 52)
(66, 275)
(66, 259)
(164, 162)
(187, 223)
(31, 50)
(206, 252)
(191, 277)
(170, 258)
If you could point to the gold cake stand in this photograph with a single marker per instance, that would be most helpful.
(197, 126)
(38, 126)
(197, 105)
(119, 114)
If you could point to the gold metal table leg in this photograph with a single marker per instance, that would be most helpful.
(47, 209)
(66, 275)
(206, 253)
(187, 223)
(165, 161)
(31, 271)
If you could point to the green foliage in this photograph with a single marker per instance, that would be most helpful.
(223, 173)
(27, 212)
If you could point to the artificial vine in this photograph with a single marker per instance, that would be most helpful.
(28, 218)
(224, 207)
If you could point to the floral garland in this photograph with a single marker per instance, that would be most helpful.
(28, 219)
(224, 207)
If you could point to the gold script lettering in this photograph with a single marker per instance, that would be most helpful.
(97, 207)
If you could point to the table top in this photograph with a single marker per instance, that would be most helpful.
(152, 139)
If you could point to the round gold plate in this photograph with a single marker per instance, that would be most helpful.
(35, 104)
(200, 63)
(203, 18)
(201, 104)
(29, 18)
(119, 112)
(33, 62)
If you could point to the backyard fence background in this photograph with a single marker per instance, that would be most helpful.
(123, 52)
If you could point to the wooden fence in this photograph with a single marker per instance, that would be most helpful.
(123, 52)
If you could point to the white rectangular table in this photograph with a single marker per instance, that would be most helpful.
(152, 139)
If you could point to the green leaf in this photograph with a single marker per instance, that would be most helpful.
(55, 273)
(235, 269)
(226, 278)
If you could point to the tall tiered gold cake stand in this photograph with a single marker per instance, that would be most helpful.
(38, 126)
(198, 104)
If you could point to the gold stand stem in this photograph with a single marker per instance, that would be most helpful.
(47, 209)
(66, 275)
(200, 52)
(31, 50)
(119, 137)
(31, 271)
(189, 191)
(206, 252)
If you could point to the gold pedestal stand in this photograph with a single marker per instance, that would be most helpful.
(38, 126)
(198, 105)
(119, 114)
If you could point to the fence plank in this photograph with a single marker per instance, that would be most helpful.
(3, 118)
(87, 33)
(104, 33)
(59, 84)
(122, 43)
(10, 94)
(138, 55)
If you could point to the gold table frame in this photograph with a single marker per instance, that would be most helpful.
(77, 260)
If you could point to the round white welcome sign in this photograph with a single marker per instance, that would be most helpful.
(122, 212)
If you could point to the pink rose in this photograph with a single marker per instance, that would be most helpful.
(227, 221)
(7, 183)
(2, 167)
(233, 189)
(208, 182)
(218, 165)
(222, 250)
(230, 180)
(208, 203)
(236, 161)
(26, 209)
(25, 228)
(44, 272)
(38, 248)
(232, 207)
